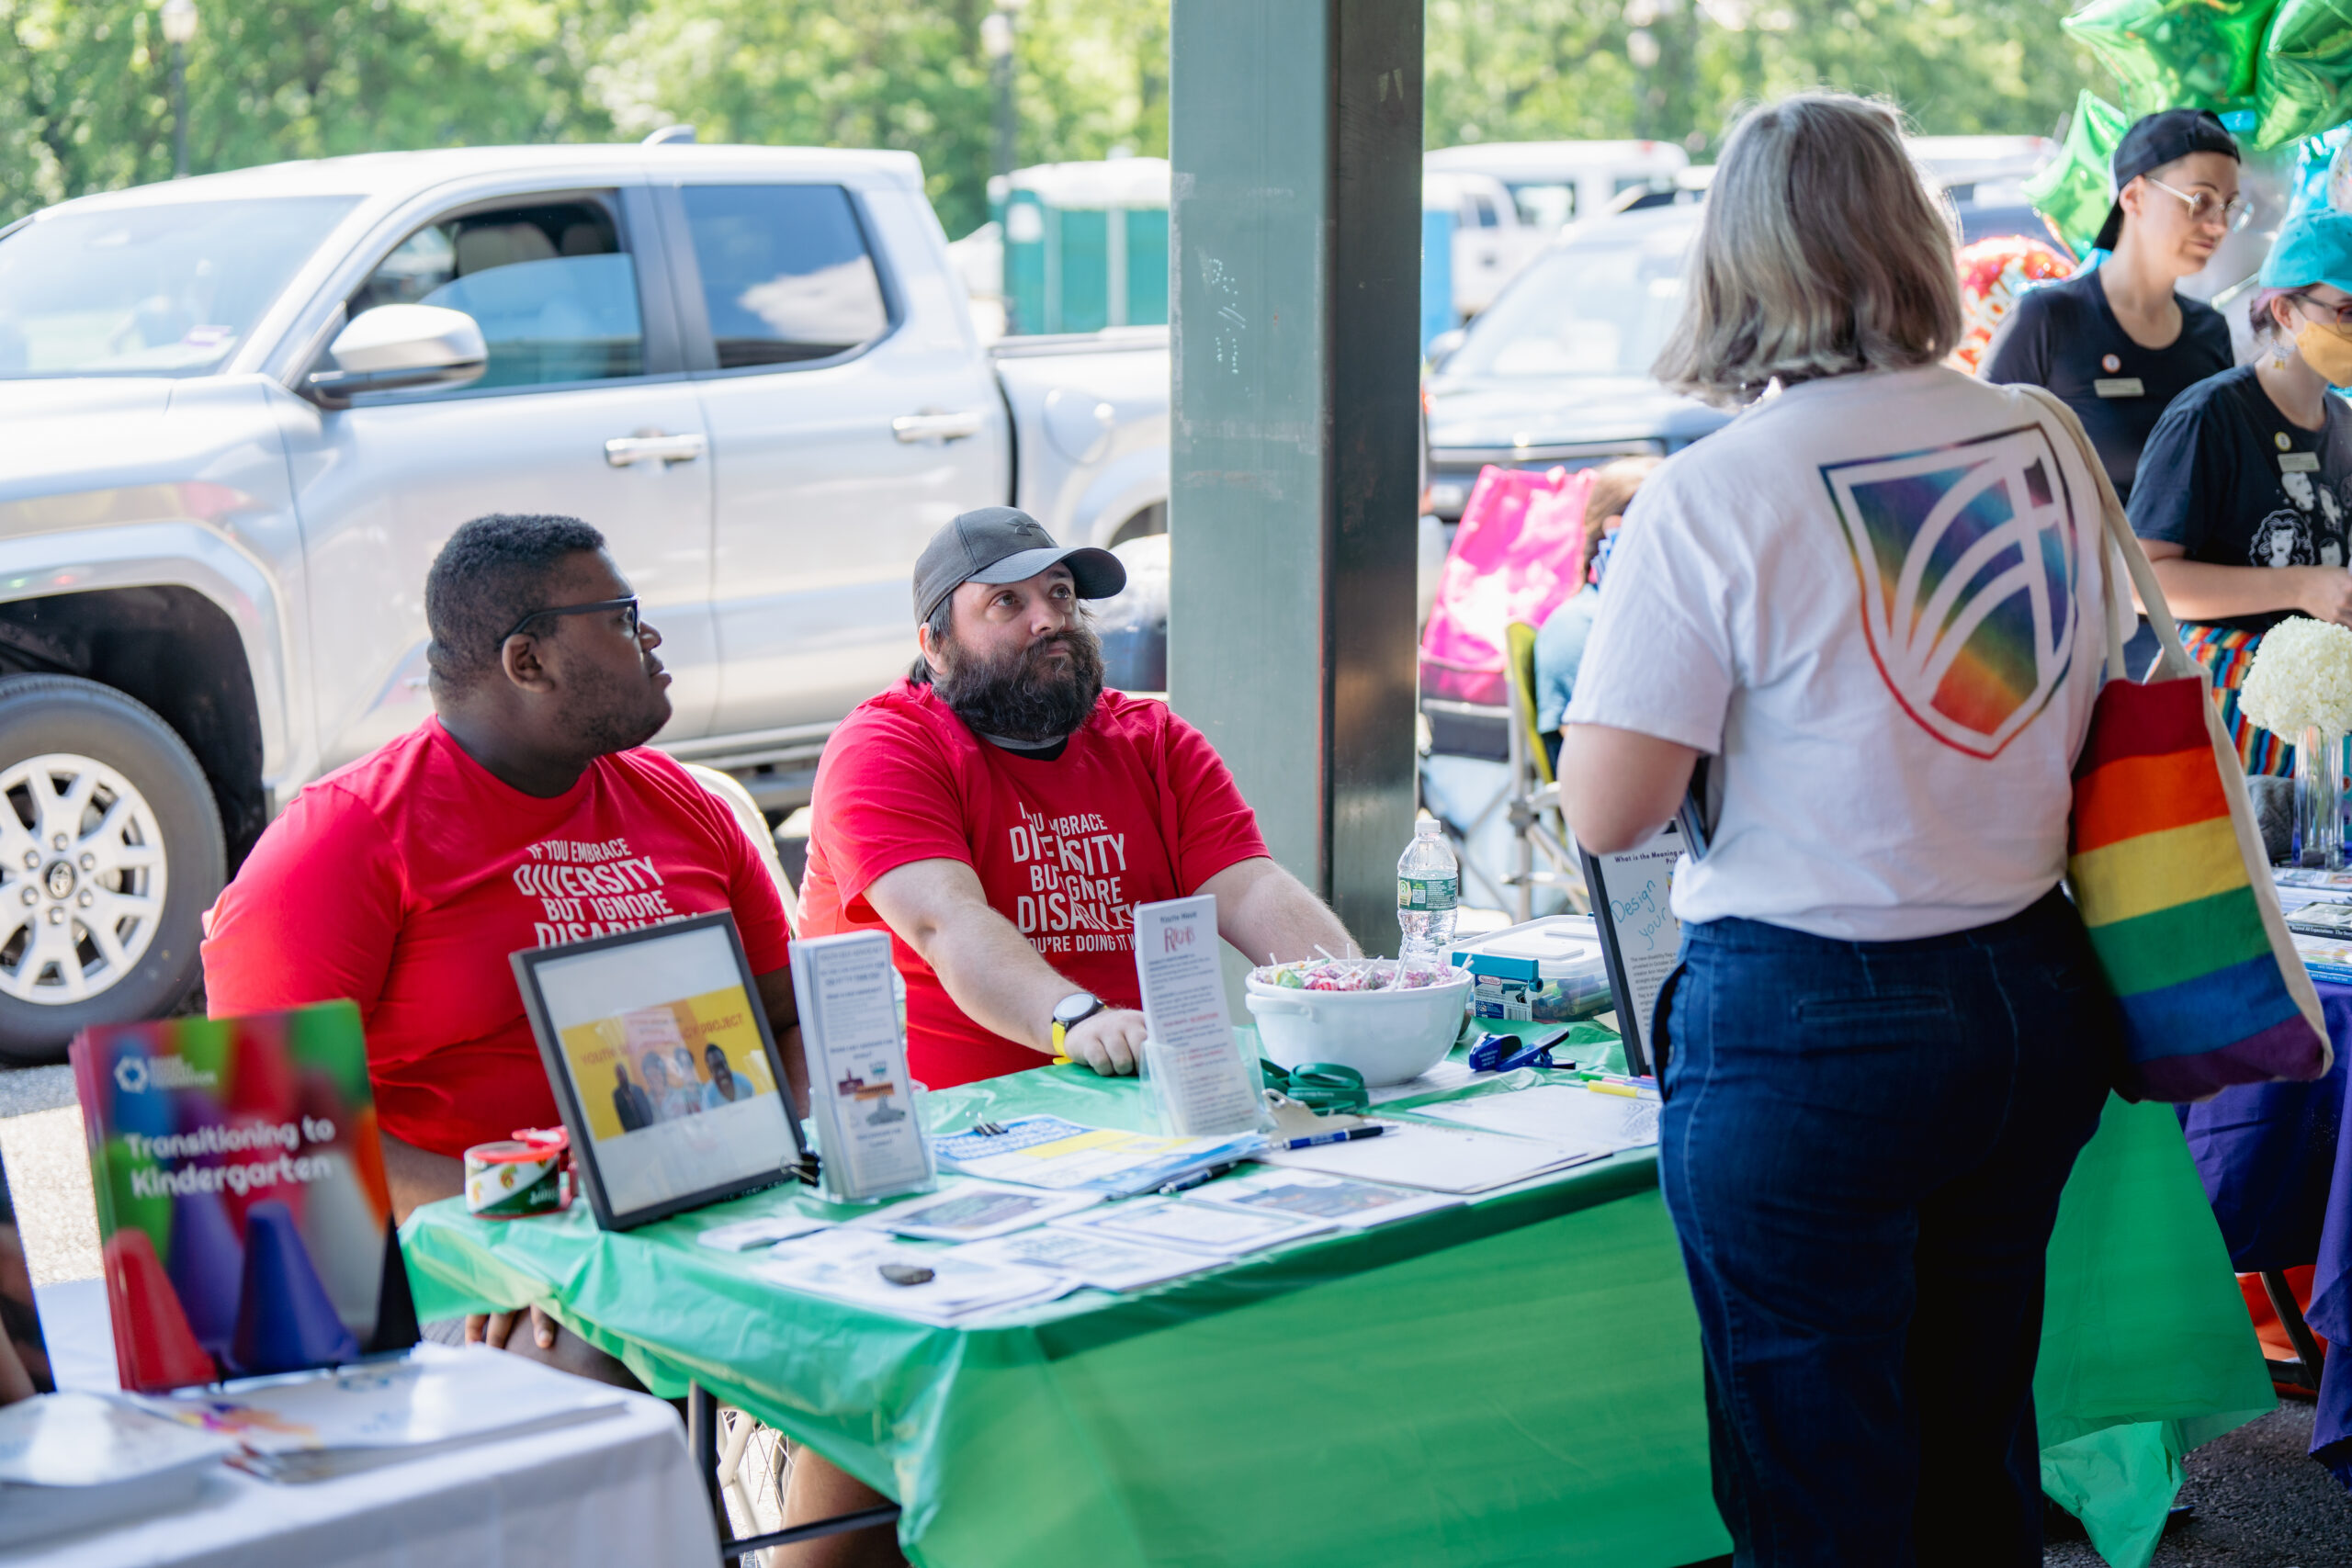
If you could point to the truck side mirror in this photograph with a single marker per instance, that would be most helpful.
(394, 346)
(1442, 347)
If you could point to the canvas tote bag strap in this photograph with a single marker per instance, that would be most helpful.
(2172, 659)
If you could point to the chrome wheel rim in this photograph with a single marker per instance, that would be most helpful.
(83, 877)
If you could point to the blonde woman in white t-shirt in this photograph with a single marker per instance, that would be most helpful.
(1872, 603)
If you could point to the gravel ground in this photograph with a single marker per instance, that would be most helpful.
(49, 1173)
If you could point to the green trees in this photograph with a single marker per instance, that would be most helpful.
(85, 84)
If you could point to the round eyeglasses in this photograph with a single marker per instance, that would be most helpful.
(2205, 208)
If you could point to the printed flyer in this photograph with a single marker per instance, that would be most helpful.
(868, 1137)
(244, 1221)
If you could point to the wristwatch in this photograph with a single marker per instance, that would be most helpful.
(1069, 1013)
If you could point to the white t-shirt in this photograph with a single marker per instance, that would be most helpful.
(1876, 600)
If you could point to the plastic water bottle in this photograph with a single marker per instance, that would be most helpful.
(1429, 885)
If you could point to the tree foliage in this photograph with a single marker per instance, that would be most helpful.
(85, 85)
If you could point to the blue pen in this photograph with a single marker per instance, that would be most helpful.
(1345, 1135)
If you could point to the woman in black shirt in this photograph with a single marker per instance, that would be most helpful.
(2247, 482)
(2118, 345)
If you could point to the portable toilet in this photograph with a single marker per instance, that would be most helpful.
(1086, 246)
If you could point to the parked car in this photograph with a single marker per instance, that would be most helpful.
(1557, 371)
(244, 411)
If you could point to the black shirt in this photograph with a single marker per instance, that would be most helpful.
(2064, 336)
(2234, 483)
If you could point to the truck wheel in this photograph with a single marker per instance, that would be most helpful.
(110, 851)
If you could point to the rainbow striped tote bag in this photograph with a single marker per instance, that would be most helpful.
(2168, 871)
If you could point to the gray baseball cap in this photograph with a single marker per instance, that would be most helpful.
(1003, 544)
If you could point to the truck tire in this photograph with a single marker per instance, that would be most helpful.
(110, 851)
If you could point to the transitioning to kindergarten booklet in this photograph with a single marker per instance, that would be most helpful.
(244, 1221)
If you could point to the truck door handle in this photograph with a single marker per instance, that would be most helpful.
(911, 427)
(623, 450)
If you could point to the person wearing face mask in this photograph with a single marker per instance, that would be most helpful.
(2244, 487)
(2118, 344)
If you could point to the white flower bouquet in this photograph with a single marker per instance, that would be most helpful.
(2300, 679)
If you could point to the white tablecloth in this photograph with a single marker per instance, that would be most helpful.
(618, 1489)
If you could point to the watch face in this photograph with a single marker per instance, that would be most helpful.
(1076, 1009)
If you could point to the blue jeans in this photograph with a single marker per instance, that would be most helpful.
(1863, 1145)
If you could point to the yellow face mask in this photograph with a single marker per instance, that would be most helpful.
(2328, 350)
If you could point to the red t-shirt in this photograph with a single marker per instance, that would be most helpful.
(404, 880)
(1139, 808)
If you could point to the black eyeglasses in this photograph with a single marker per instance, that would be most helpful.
(2340, 314)
(627, 606)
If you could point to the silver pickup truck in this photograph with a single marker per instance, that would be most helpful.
(239, 414)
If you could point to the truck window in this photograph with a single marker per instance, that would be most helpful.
(153, 289)
(785, 273)
(553, 287)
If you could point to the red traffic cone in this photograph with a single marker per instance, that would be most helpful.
(153, 1346)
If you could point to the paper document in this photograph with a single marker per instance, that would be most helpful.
(1101, 1261)
(745, 1234)
(1350, 1204)
(1439, 1160)
(2320, 919)
(436, 1397)
(1205, 1084)
(1061, 1155)
(1562, 1113)
(1213, 1228)
(974, 1211)
(943, 1285)
(1437, 1080)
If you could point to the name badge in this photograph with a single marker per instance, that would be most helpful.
(2120, 387)
(2298, 462)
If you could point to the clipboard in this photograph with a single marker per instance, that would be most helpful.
(1639, 935)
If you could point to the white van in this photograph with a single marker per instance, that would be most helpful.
(1553, 184)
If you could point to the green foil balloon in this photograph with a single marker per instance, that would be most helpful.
(2305, 85)
(2176, 54)
(2074, 189)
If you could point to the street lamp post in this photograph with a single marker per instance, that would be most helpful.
(179, 17)
(996, 41)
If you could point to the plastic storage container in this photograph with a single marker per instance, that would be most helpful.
(1547, 971)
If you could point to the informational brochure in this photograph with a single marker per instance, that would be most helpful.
(1306, 1194)
(1180, 1223)
(1639, 935)
(1437, 1160)
(975, 1211)
(1559, 1112)
(1064, 1156)
(871, 1142)
(1194, 1069)
(2321, 918)
(933, 1284)
(1101, 1261)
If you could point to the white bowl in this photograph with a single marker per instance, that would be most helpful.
(1388, 1036)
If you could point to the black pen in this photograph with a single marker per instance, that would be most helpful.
(1200, 1177)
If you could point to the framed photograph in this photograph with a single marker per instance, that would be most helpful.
(1639, 935)
(659, 1052)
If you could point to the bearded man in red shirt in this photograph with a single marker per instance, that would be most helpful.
(1001, 815)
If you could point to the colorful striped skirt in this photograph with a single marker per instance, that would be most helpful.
(2227, 653)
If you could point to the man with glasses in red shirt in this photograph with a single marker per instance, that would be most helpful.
(528, 811)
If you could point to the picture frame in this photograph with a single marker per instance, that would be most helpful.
(1639, 935)
(594, 1003)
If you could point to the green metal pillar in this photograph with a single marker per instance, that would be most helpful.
(1294, 129)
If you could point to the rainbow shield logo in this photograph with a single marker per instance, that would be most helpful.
(1967, 558)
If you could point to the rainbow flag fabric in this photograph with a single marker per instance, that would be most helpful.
(2210, 989)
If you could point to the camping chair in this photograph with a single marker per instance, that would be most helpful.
(1480, 733)
(1534, 797)
(731, 1445)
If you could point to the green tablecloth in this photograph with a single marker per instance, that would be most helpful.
(1514, 1382)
